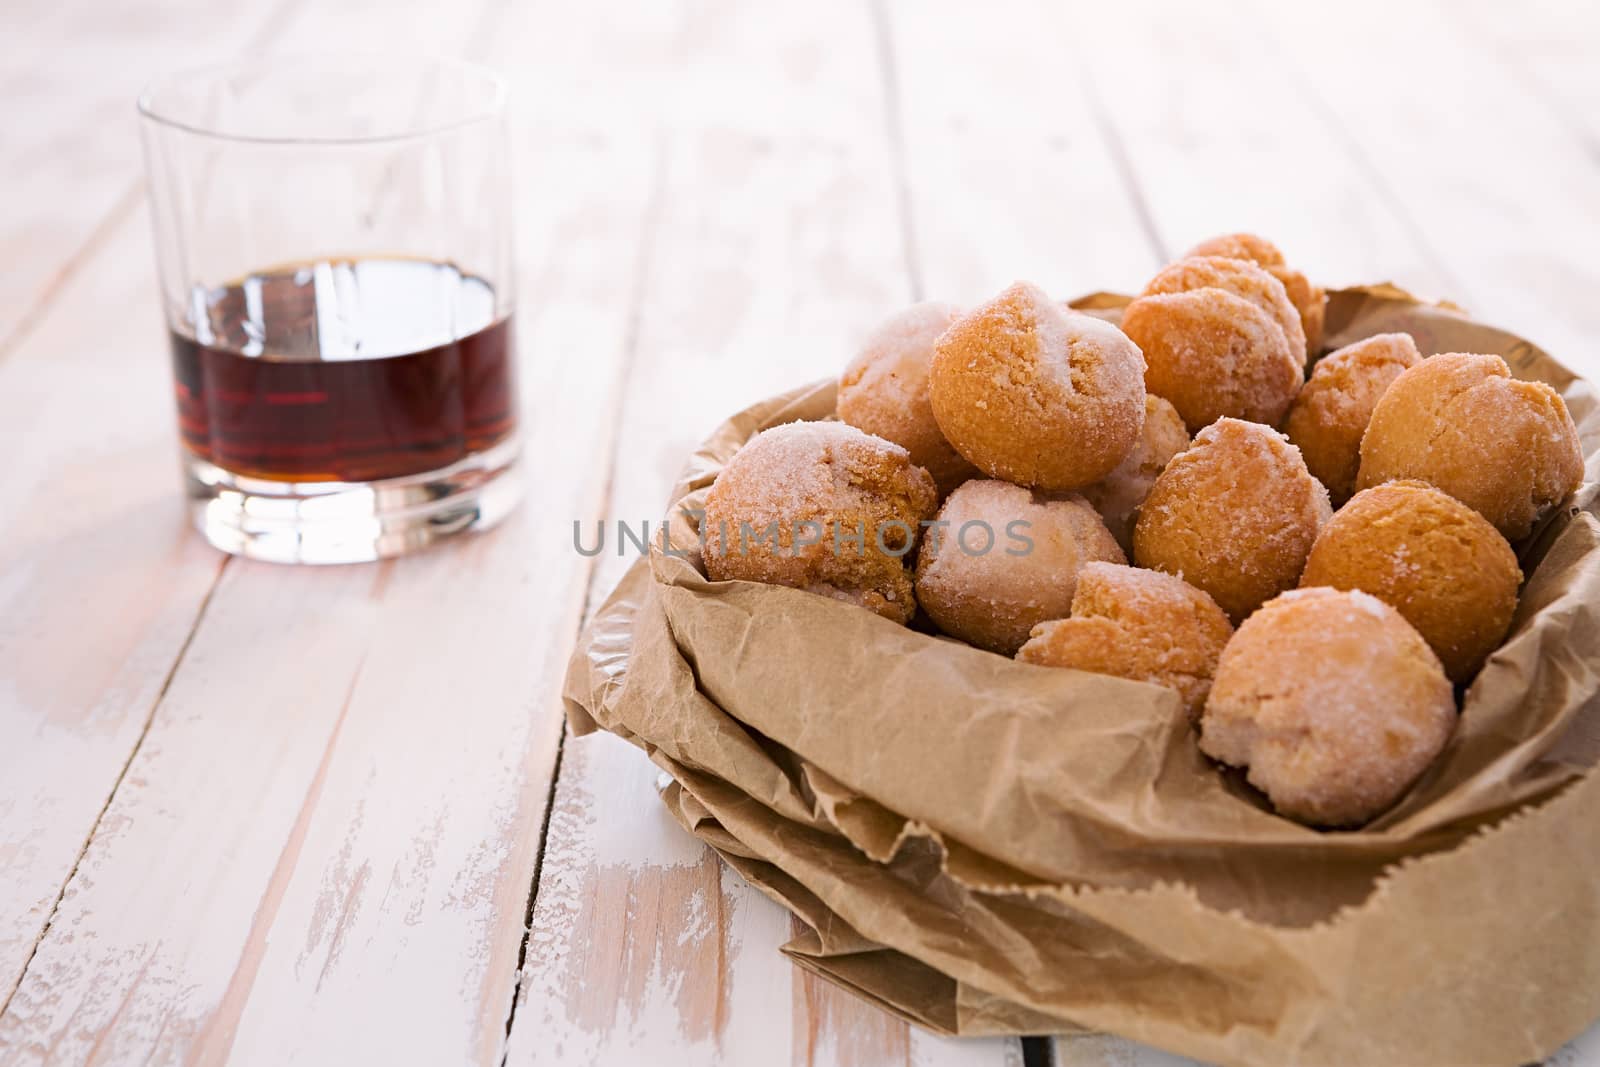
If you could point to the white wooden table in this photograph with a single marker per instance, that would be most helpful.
(266, 815)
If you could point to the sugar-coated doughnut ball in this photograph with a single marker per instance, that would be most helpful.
(1002, 559)
(1234, 514)
(1035, 394)
(1331, 412)
(1138, 624)
(1309, 300)
(1430, 557)
(1117, 497)
(884, 390)
(788, 507)
(1220, 338)
(1460, 422)
(1334, 703)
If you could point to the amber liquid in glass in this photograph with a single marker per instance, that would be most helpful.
(345, 371)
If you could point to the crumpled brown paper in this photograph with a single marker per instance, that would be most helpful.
(988, 847)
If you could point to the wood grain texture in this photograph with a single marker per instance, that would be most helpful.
(1498, 184)
(1218, 140)
(315, 796)
(395, 731)
(1272, 121)
(100, 582)
(71, 169)
(1548, 46)
(776, 245)
(1008, 177)
(1492, 169)
(100, 579)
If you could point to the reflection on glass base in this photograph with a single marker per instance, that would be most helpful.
(350, 522)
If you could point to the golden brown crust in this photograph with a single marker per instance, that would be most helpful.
(1309, 300)
(1460, 422)
(1331, 413)
(834, 476)
(993, 599)
(1117, 497)
(1220, 339)
(1234, 514)
(1239, 277)
(1247, 246)
(884, 390)
(1138, 624)
(1433, 559)
(1334, 703)
(1035, 394)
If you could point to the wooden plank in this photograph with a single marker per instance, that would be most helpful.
(358, 886)
(1215, 142)
(1016, 177)
(314, 830)
(1492, 165)
(1503, 191)
(1270, 120)
(69, 153)
(100, 579)
(776, 247)
(100, 582)
(1549, 48)
(1009, 175)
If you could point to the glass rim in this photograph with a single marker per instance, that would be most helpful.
(491, 109)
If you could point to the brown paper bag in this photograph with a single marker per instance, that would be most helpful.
(989, 847)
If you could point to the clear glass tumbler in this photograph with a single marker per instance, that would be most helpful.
(334, 242)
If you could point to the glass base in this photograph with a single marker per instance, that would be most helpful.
(350, 522)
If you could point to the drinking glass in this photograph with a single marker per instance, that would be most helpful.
(334, 243)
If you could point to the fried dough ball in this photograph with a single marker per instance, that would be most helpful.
(1234, 514)
(1430, 557)
(1137, 624)
(786, 509)
(1334, 703)
(884, 390)
(1329, 416)
(1118, 496)
(1461, 423)
(1220, 338)
(1309, 300)
(1036, 394)
(1003, 559)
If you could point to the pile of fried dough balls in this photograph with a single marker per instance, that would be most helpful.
(1318, 648)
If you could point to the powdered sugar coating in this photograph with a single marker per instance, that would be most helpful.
(1035, 394)
(1461, 423)
(1309, 300)
(1432, 558)
(1138, 624)
(884, 390)
(1234, 514)
(1220, 339)
(1237, 276)
(1117, 497)
(1334, 703)
(1330, 415)
(833, 475)
(995, 598)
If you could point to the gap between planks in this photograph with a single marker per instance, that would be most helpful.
(120, 214)
(278, 19)
(133, 752)
(649, 233)
(1357, 153)
(894, 133)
